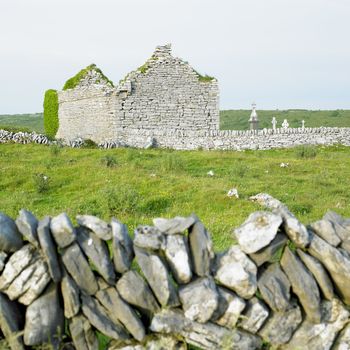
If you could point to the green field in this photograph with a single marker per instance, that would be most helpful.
(231, 119)
(138, 185)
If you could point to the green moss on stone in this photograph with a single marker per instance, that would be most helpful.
(204, 78)
(74, 81)
(51, 122)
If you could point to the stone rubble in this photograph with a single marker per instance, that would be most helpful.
(282, 284)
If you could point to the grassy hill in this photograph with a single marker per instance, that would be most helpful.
(23, 122)
(138, 185)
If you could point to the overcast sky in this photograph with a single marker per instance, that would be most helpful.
(279, 53)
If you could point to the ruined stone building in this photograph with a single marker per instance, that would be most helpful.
(165, 94)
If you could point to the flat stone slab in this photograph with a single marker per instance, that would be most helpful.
(79, 269)
(123, 252)
(257, 231)
(101, 228)
(199, 299)
(177, 255)
(27, 225)
(70, 294)
(201, 248)
(49, 250)
(303, 285)
(62, 230)
(158, 277)
(274, 287)
(177, 225)
(148, 238)
(343, 340)
(325, 229)
(97, 251)
(44, 319)
(83, 336)
(341, 227)
(236, 271)
(10, 238)
(135, 291)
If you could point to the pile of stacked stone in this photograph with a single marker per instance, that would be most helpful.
(23, 137)
(283, 283)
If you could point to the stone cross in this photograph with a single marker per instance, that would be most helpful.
(285, 124)
(303, 124)
(274, 123)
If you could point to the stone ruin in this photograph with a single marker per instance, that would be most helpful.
(282, 284)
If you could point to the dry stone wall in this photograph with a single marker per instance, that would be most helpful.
(282, 284)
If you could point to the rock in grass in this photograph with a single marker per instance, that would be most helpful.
(10, 238)
(199, 299)
(158, 277)
(236, 271)
(280, 327)
(325, 229)
(337, 264)
(177, 254)
(272, 252)
(319, 272)
(27, 225)
(274, 287)
(49, 249)
(254, 315)
(321, 336)
(98, 317)
(83, 336)
(303, 285)
(97, 251)
(44, 319)
(70, 294)
(123, 252)
(177, 225)
(78, 267)
(96, 225)
(257, 231)
(11, 322)
(201, 248)
(135, 291)
(62, 230)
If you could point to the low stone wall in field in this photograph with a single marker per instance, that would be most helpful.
(282, 284)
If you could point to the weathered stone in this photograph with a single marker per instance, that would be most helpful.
(16, 264)
(97, 251)
(342, 228)
(148, 237)
(280, 327)
(78, 267)
(120, 311)
(49, 249)
(343, 340)
(27, 225)
(207, 336)
(11, 322)
(325, 229)
(257, 231)
(98, 317)
(337, 264)
(136, 292)
(231, 307)
(70, 294)
(201, 248)
(269, 253)
(177, 255)
(319, 273)
(199, 299)
(274, 287)
(3, 258)
(157, 277)
(254, 315)
(321, 336)
(236, 271)
(83, 336)
(174, 226)
(44, 319)
(123, 253)
(62, 230)
(98, 226)
(303, 285)
(10, 238)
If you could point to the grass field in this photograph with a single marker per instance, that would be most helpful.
(138, 185)
(231, 119)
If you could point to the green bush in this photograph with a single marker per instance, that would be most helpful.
(308, 151)
(89, 144)
(109, 161)
(51, 113)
